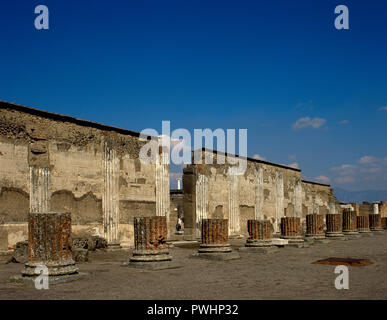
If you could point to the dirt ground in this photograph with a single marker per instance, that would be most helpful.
(286, 274)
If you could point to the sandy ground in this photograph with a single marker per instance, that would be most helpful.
(286, 274)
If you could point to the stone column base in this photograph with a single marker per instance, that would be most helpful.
(215, 248)
(218, 252)
(258, 243)
(150, 256)
(378, 229)
(350, 234)
(55, 268)
(335, 236)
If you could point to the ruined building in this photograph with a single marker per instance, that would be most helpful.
(54, 162)
(265, 191)
(51, 162)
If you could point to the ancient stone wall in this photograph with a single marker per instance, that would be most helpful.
(265, 191)
(59, 163)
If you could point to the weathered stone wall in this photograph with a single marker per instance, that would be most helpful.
(265, 191)
(49, 161)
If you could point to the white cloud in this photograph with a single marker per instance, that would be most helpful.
(383, 108)
(345, 180)
(323, 179)
(344, 169)
(344, 121)
(258, 157)
(306, 122)
(368, 159)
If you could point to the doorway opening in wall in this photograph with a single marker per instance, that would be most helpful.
(176, 192)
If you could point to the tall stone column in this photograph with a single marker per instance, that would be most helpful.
(298, 198)
(201, 201)
(110, 195)
(40, 194)
(234, 227)
(259, 195)
(279, 200)
(162, 185)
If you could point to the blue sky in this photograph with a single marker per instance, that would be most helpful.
(309, 95)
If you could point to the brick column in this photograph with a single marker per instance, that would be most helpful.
(334, 223)
(214, 236)
(375, 222)
(260, 232)
(349, 222)
(150, 240)
(363, 225)
(315, 226)
(49, 244)
(291, 229)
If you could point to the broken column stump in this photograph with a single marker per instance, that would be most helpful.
(334, 223)
(315, 228)
(49, 246)
(350, 223)
(150, 244)
(215, 244)
(384, 223)
(260, 234)
(375, 222)
(363, 225)
(291, 230)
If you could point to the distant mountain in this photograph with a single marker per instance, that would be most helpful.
(360, 196)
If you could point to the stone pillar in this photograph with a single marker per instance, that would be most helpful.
(376, 208)
(363, 225)
(201, 201)
(349, 222)
(375, 222)
(334, 223)
(315, 226)
(384, 223)
(279, 200)
(260, 233)
(234, 227)
(215, 241)
(291, 229)
(162, 184)
(49, 244)
(332, 207)
(40, 194)
(298, 198)
(259, 195)
(110, 195)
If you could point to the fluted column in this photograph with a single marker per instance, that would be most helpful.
(298, 198)
(110, 196)
(334, 223)
(349, 222)
(40, 194)
(49, 243)
(315, 226)
(279, 199)
(201, 201)
(234, 228)
(259, 195)
(162, 185)
(375, 222)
